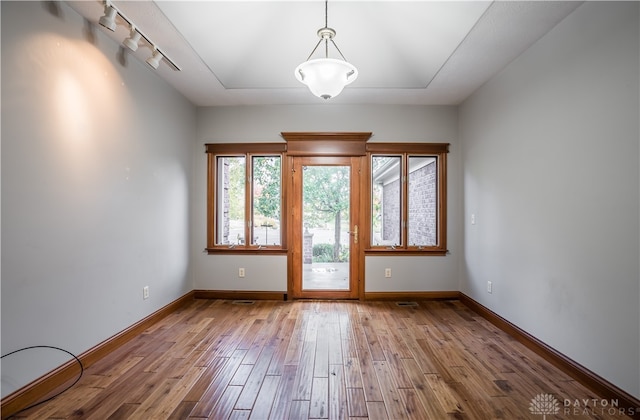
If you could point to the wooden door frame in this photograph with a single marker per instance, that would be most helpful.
(327, 144)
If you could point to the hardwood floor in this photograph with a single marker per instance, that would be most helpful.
(322, 359)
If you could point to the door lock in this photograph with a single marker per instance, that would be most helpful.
(355, 234)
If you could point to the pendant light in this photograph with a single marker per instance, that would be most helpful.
(326, 77)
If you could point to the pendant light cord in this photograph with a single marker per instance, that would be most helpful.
(326, 40)
(326, 13)
(326, 25)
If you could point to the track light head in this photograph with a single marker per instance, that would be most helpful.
(109, 18)
(133, 40)
(154, 60)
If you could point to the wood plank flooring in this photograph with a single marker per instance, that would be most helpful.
(218, 359)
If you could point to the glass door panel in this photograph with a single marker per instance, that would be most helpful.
(325, 223)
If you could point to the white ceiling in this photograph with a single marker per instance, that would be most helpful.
(407, 52)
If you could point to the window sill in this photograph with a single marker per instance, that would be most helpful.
(412, 251)
(241, 250)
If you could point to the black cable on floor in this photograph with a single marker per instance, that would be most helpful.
(59, 393)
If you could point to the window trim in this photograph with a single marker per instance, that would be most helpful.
(248, 151)
(406, 150)
(303, 144)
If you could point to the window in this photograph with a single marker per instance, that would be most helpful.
(245, 197)
(408, 197)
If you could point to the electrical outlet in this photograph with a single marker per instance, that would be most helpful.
(145, 292)
(489, 287)
(240, 272)
(387, 273)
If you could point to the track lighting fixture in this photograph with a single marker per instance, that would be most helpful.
(154, 60)
(133, 40)
(108, 20)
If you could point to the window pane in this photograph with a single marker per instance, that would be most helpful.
(266, 200)
(386, 196)
(423, 201)
(230, 200)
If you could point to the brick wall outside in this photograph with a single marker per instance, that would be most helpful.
(307, 247)
(423, 206)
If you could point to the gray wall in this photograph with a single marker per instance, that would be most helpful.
(96, 170)
(435, 124)
(551, 157)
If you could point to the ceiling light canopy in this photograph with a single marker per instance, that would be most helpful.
(326, 77)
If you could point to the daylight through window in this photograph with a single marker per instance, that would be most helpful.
(245, 198)
(408, 197)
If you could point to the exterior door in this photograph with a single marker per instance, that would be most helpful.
(325, 261)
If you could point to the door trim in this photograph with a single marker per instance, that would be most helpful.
(326, 144)
(348, 144)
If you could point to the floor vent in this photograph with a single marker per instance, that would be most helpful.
(409, 304)
(243, 302)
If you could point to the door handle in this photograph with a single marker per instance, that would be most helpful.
(355, 234)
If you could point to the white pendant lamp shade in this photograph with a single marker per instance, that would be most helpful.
(326, 77)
